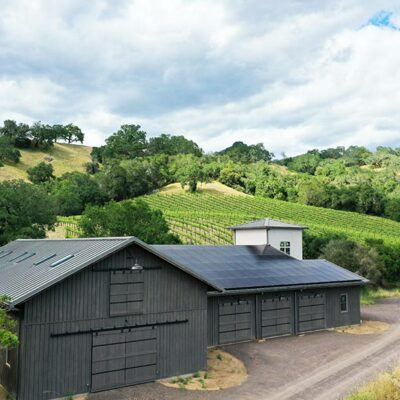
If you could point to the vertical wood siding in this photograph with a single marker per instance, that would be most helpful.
(335, 318)
(53, 367)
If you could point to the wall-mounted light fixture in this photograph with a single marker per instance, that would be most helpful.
(136, 266)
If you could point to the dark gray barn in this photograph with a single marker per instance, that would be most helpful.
(96, 314)
(267, 293)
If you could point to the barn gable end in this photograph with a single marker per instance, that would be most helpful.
(61, 327)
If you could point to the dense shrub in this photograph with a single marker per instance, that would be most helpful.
(26, 211)
(127, 218)
(350, 255)
(40, 173)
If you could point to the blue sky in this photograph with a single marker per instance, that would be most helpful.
(294, 75)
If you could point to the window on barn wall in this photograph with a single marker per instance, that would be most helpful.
(285, 247)
(126, 292)
(344, 303)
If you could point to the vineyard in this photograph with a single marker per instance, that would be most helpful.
(70, 225)
(205, 218)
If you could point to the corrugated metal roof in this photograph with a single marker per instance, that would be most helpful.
(22, 279)
(26, 265)
(234, 267)
(29, 266)
(267, 223)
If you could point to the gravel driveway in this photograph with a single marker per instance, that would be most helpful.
(321, 365)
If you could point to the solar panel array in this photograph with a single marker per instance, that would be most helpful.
(235, 267)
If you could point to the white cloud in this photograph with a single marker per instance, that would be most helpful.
(29, 96)
(294, 75)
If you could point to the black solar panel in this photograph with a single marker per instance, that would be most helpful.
(233, 267)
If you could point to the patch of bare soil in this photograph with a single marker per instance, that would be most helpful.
(58, 233)
(365, 328)
(224, 371)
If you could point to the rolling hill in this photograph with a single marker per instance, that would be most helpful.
(63, 157)
(204, 218)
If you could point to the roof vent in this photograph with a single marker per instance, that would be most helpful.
(61, 260)
(44, 259)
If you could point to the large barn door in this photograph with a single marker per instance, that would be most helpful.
(235, 321)
(123, 358)
(277, 314)
(141, 356)
(311, 311)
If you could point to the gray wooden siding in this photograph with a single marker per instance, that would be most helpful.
(334, 317)
(9, 374)
(53, 367)
(86, 295)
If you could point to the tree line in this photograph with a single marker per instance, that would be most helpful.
(15, 136)
(130, 164)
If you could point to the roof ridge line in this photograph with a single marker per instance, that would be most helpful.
(75, 239)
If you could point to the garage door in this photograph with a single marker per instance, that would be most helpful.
(123, 358)
(235, 321)
(311, 314)
(277, 316)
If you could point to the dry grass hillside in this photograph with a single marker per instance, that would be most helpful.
(211, 188)
(63, 157)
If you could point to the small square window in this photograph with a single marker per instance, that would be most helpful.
(285, 247)
(344, 303)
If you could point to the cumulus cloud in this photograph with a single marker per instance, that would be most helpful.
(294, 76)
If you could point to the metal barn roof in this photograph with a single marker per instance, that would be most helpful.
(28, 266)
(245, 267)
(267, 223)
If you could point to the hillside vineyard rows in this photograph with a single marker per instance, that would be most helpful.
(206, 218)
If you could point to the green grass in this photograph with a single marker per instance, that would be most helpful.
(370, 296)
(205, 218)
(66, 158)
(385, 387)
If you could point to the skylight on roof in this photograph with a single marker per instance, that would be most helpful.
(5, 253)
(16, 258)
(45, 259)
(26, 257)
(61, 260)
